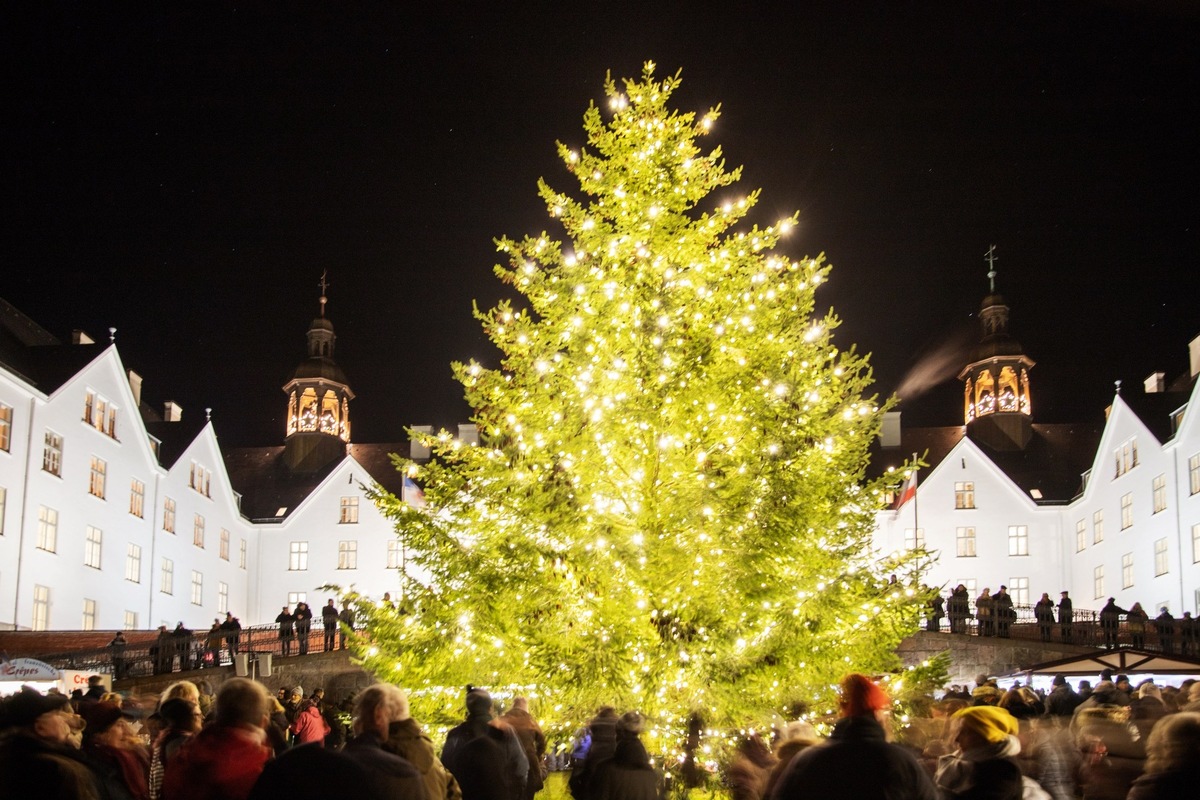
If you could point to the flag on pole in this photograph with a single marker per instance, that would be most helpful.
(412, 494)
(908, 489)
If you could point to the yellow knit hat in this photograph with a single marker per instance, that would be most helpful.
(990, 722)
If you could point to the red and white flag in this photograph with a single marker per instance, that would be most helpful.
(908, 489)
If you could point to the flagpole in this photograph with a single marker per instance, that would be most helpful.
(916, 486)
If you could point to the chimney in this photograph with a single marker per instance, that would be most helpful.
(135, 386)
(417, 451)
(889, 436)
(468, 434)
(1194, 352)
(79, 337)
(1157, 382)
(172, 411)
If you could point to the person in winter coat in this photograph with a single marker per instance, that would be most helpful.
(984, 606)
(1066, 617)
(346, 617)
(1164, 626)
(406, 739)
(39, 749)
(628, 774)
(1112, 753)
(1003, 612)
(487, 760)
(225, 758)
(1173, 760)
(212, 644)
(1136, 621)
(750, 771)
(1062, 700)
(1110, 622)
(934, 614)
(118, 756)
(329, 622)
(958, 609)
(836, 769)
(1043, 612)
(985, 766)
(233, 633)
(303, 617)
(287, 631)
(602, 743)
(375, 709)
(309, 726)
(181, 721)
(533, 741)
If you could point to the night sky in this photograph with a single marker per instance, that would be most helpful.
(185, 172)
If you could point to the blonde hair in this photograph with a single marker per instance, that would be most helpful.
(183, 690)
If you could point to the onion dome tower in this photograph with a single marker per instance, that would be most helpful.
(318, 416)
(997, 409)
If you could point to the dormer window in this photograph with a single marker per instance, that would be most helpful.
(100, 413)
(200, 479)
(1126, 457)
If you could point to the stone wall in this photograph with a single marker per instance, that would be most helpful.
(971, 655)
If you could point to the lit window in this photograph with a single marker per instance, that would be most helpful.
(52, 453)
(914, 538)
(1018, 540)
(167, 577)
(97, 477)
(966, 542)
(222, 597)
(1098, 582)
(349, 510)
(3, 507)
(200, 479)
(91, 547)
(968, 584)
(198, 530)
(964, 494)
(298, 556)
(1080, 535)
(47, 535)
(197, 588)
(1018, 590)
(224, 545)
(348, 555)
(168, 515)
(1127, 571)
(133, 563)
(1126, 457)
(89, 407)
(1193, 472)
(395, 554)
(6, 416)
(41, 608)
(89, 615)
(1160, 493)
(1127, 511)
(242, 555)
(297, 597)
(137, 498)
(1098, 527)
(1162, 563)
(131, 621)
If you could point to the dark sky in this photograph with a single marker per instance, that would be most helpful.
(184, 173)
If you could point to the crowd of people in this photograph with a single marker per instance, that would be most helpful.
(996, 614)
(1111, 740)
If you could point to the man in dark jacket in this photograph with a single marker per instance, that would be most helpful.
(304, 617)
(329, 620)
(233, 632)
(375, 709)
(346, 617)
(39, 750)
(287, 632)
(487, 761)
(857, 761)
(628, 774)
(1164, 626)
(1066, 617)
(1110, 622)
(602, 744)
(533, 741)
(1062, 700)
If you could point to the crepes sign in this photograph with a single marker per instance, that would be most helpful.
(27, 669)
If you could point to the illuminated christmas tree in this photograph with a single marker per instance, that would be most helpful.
(667, 507)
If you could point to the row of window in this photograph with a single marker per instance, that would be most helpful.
(47, 539)
(347, 555)
(100, 414)
(1018, 540)
(42, 605)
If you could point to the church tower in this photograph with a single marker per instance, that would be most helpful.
(318, 416)
(997, 408)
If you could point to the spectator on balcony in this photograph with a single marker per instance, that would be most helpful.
(1164, 626)
(233, 633)
(116, 652)
(1066, 617)
(329, 621)
(934, 614)
(959, 609)
(1110, 622)
(1135, 622)
(303, 617)
(1187, 634)
(346, 617)
(212, 643)
(287, 631)
(1003, 611)
(1043, 612)
(181, 641)
(984, 609)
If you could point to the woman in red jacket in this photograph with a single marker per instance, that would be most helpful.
(310, 726)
